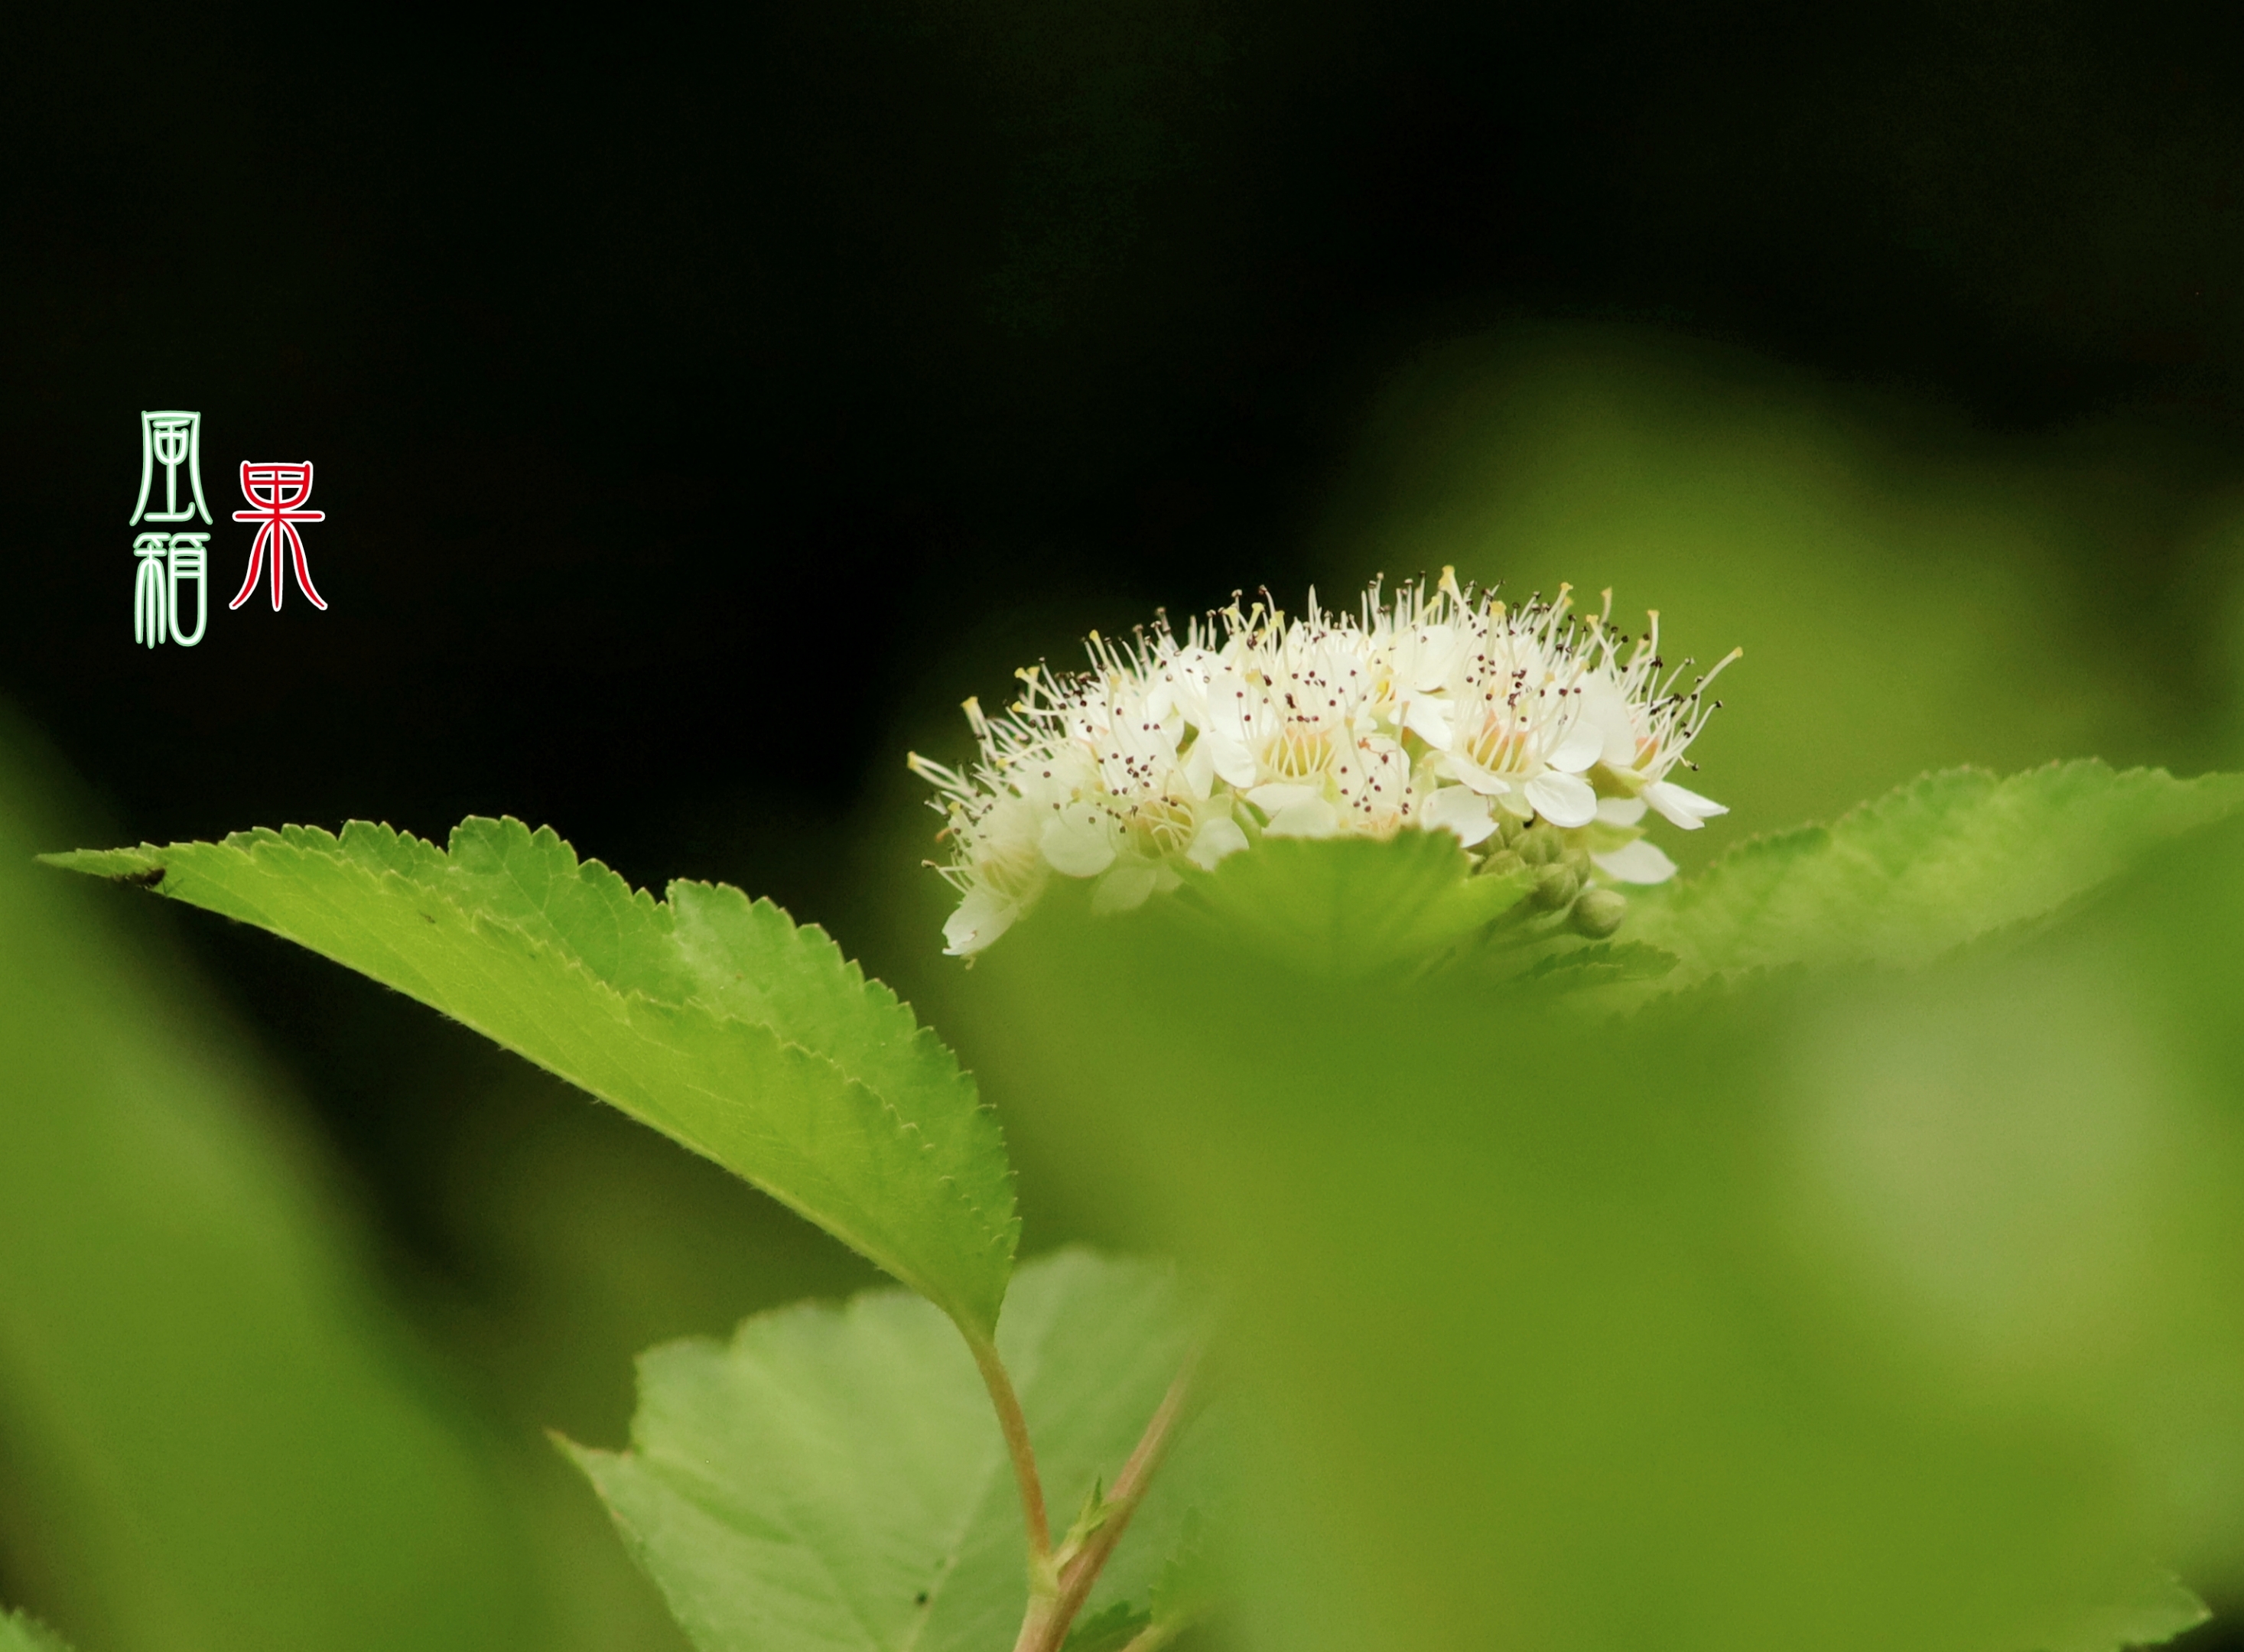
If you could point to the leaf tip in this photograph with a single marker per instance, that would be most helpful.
(139, 867)
(582, 1456)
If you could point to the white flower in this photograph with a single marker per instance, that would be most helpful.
(1440, 710)
(1644, 724)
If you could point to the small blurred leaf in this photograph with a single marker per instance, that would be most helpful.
(1924, 869)
(1187, 1585)
(834, 1477)
(1110, 1630)
(714, 1018)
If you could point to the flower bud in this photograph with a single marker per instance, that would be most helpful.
(1556, 886)
(1539, 846)
(1598, 913)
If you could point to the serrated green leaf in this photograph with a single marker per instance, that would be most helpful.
(19, 1633)
(1599, 964)
(715, 1019)
(751, 961)
(1183, 1595)
(1353, 906)
(1925, 869)
(1187, 1587)
(833, 1477)
(1110, 1630)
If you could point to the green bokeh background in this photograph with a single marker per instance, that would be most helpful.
(233, 1413)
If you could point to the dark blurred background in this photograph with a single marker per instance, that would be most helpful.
(702, 407)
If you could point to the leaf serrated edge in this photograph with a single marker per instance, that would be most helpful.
(1001, 1235)
(1796, 842)
(997, 1236)
(1912, 791)
(811, 943)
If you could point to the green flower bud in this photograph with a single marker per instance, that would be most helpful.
(1598, 913)
(1556, 887)
(1500, 863)
(1539, 846)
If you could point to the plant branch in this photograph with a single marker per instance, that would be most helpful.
(1015, 1427)
(1047, 1621)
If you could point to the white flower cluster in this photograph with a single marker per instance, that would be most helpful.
(1439, 710)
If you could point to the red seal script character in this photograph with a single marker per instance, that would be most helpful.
(277, 492)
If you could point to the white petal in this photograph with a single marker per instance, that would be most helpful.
(1431, 720)
(1637, 862)
(1467, 772)
(1199, 769)
(1426, 654)
(1215, 839)
(980, 920)
(1563, 800)
(1686, 808)
(1315, 818)
(1605, 709)
(1280, 794)
(1620, 812)
(1125, 887)
(1584, 744)
(1455, 810)
(1230, 757)
(1078, 841)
